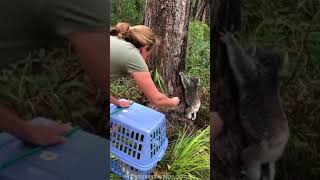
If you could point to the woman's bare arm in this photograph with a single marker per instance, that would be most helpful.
(93, 50)
(147, 86)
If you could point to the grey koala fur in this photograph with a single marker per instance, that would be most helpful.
(190, 86)
(257, 73)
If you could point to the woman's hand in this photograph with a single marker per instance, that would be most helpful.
(175, 101)
(120, 103)
(124, 104)
(36, 134)
(147, 86)
(46, 134)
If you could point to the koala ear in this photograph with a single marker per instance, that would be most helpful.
(284, 69)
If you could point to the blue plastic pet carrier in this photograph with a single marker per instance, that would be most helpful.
(138, 140)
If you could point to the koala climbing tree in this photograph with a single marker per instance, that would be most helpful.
(262, 118)
(255, 136)
(170, 20)
(190, 86)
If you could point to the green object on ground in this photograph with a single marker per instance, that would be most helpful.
(112, 156)
(33, 150)
(116, 111)
(120, 109)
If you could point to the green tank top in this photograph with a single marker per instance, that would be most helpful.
(125, 58)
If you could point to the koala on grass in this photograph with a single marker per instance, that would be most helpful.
(257, 73)
(190, 86)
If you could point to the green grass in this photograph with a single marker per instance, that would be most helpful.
(189, 155)
(125, 88)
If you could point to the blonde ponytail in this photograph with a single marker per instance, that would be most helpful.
(119, 29)
(138, 35)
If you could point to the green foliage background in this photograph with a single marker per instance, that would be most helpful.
(127, 11)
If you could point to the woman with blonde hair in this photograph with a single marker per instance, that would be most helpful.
(130, 48)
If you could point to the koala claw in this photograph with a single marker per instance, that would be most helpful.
(194, 116)
(188, 115)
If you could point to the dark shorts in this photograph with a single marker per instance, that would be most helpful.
(31, 24)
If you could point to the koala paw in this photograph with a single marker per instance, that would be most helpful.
(227, 36)
(189, 115)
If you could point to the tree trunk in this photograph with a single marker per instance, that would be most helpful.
(206, 14)
(170, 20)
(225, 151)
(202, 11)
(194, 8)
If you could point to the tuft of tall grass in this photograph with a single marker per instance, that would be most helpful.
(189, 155)
(160, 82)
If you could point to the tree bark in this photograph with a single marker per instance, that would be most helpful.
(200, 10)
(206, 14)
(169, 19)
(225, 150)
(195, 8)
